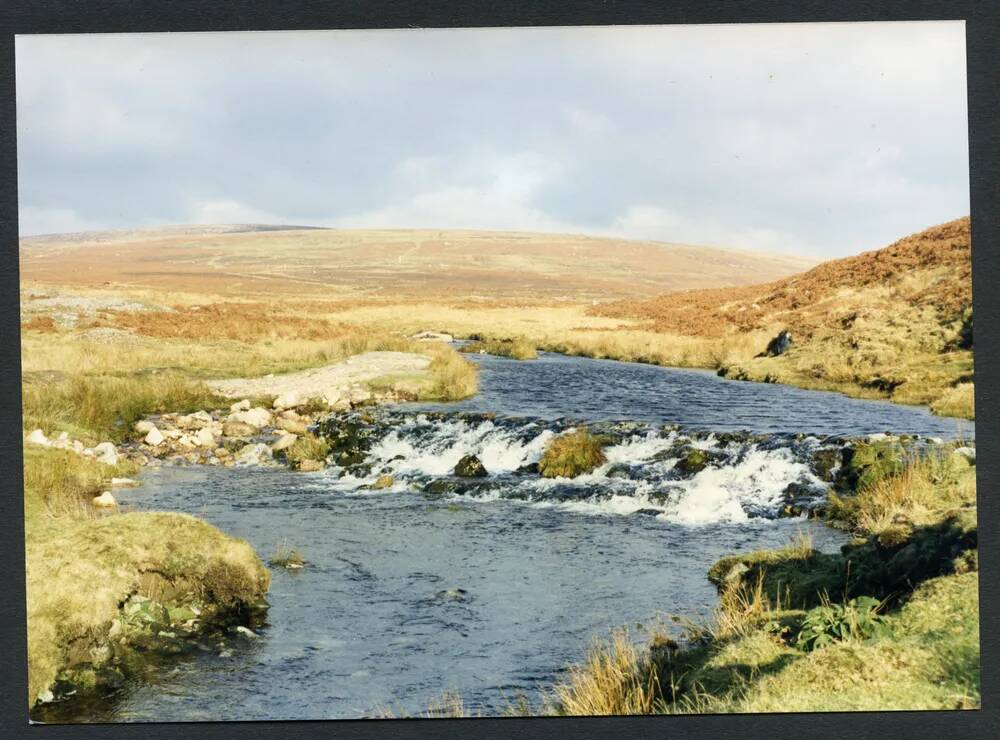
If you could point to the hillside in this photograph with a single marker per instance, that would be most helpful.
(895, 322)
(261, 260)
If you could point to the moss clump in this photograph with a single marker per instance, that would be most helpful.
(571, 455)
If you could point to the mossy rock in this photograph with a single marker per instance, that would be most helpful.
(470, 466)
(824, 462)
(864, 464)
(694, 461)
(441, 486)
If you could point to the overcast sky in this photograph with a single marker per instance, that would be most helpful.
(823, 139)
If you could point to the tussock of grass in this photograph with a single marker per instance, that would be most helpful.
(959, 401)
(454, 377)
(519, 348)
(570, 455)
(287, 557)
(305, 448)
(615, 678)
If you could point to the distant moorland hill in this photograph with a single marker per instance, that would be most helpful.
(267, 260)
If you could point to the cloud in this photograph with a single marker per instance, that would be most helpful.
(652, 222)
(32, 220)
(232, 212)
(823, 137)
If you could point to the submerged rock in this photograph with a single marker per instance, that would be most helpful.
(453, 594)
(470, 466)
(383, 481)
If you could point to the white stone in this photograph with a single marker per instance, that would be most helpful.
(124, 483)
(254, 454)
(969, 453)
(38, 437)
(154, 437)
(240, 406)
(205, 438)
(255, 417)
(433, 336)
(284, 442)
(287, 400)
(63, 437)
(144, 427)
(186, 442)
(105, 500)
(106, 453)
(246, 632)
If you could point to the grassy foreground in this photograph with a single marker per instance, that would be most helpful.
(891, 622)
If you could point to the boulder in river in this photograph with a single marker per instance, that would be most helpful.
(256, 417)
(470, 466)
(284, 442)
(383, 481)
(238, 429)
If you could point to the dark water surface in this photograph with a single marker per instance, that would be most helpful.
(559, 385)
(407, 595)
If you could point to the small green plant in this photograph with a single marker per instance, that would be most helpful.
(828, 623)
(571, 455)
(286, 557)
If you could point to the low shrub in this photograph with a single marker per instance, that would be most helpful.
(857, 619)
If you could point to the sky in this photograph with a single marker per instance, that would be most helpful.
(812, 139)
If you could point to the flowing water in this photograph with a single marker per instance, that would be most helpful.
(490, 587)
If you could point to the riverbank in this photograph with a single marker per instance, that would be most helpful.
(891, 622)
(108, 591)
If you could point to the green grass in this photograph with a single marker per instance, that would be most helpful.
(573, 454)
(99, 408)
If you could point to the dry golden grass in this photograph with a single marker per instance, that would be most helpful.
(616, 678)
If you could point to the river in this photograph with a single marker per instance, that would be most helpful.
(490, 589)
